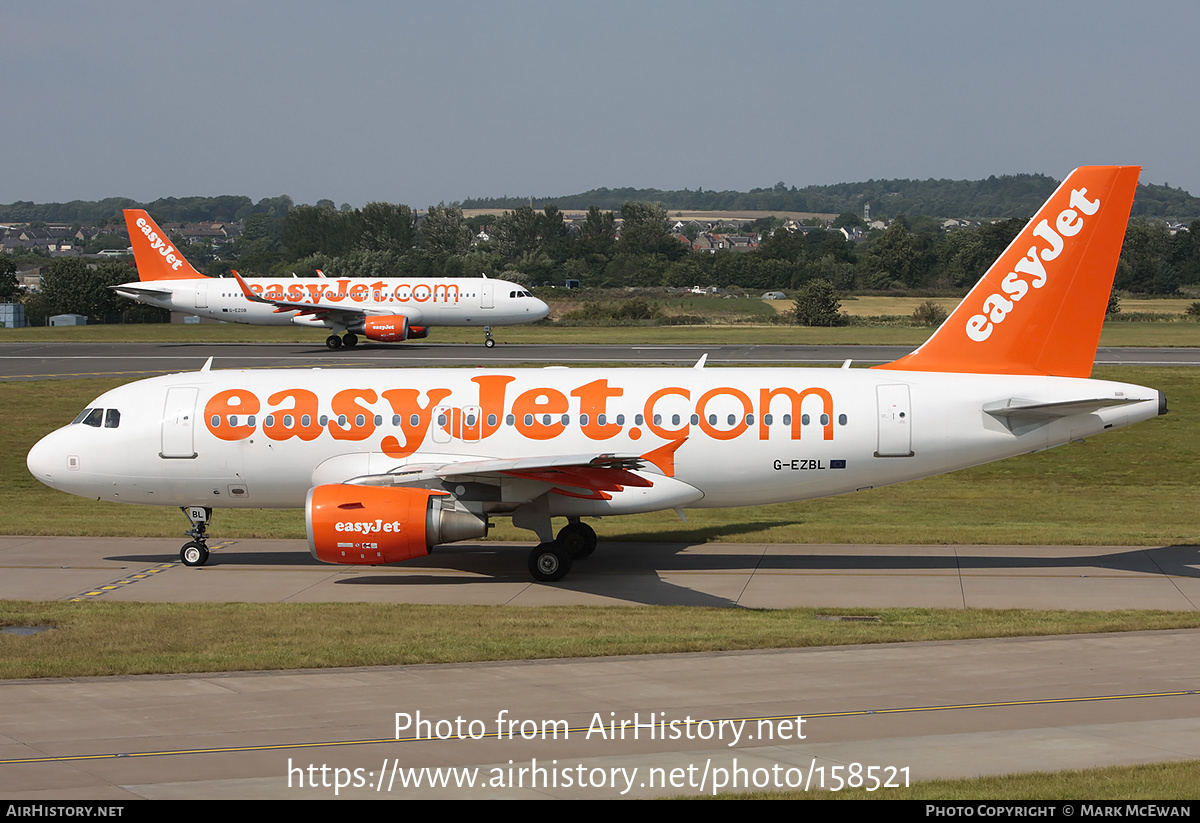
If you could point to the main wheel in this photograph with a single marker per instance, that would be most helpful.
(350, 340)
(549, 562)
(333, 342)
(578, 538)
(193, 554)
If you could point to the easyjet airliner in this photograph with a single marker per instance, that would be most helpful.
(390, 463)
(386, 309)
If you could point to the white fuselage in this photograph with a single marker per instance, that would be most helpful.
(721, 437)
(450, 301)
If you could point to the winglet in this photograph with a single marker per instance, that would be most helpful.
(250, 295)
(664, 457)
(1039, 309)
(155, 256)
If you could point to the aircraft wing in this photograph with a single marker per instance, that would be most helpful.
(589, 475)
(579, 475)
(336, 312)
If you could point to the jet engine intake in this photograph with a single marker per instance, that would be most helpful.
(391, 328)
(370, 525)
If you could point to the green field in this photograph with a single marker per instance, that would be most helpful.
(1185, 334)
(98, 638)
(737, 321)
(874, 306)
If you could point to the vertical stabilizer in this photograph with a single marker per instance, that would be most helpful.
(1040, 307)
(156, 257)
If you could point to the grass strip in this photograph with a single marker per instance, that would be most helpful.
(1180, 333)
(100, 639)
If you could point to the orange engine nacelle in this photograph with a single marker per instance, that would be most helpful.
(370, 525)
(390, 329)
(417, 332)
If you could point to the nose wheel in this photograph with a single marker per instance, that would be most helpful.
(195, 551)
(488, 341)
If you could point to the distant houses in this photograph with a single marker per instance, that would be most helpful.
(62, 240)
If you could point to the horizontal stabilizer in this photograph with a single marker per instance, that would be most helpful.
(152, 291)
(1014, 407)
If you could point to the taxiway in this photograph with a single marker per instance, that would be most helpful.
(39, 361)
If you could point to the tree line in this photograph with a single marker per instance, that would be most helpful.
(539, 247)
(991, 199)
(995, 198)
(223, 209)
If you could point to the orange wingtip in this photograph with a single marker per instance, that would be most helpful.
(664, 456)
(1039, 309)
(153, 252)
(246, 290)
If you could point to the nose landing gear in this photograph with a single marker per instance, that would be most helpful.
(195, 551)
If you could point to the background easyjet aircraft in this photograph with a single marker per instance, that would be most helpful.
(389, 463)
(387, 309)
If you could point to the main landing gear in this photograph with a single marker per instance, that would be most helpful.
(488, 341)
(349, 340)
(195, 552)
(550, 562)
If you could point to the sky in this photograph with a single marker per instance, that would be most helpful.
(425, 103)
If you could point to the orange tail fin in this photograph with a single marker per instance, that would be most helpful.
(1040, 307)
(156, 257)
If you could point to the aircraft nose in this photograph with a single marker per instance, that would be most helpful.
(542, 310)
(43, 460)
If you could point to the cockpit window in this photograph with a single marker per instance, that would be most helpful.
(96, 418)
